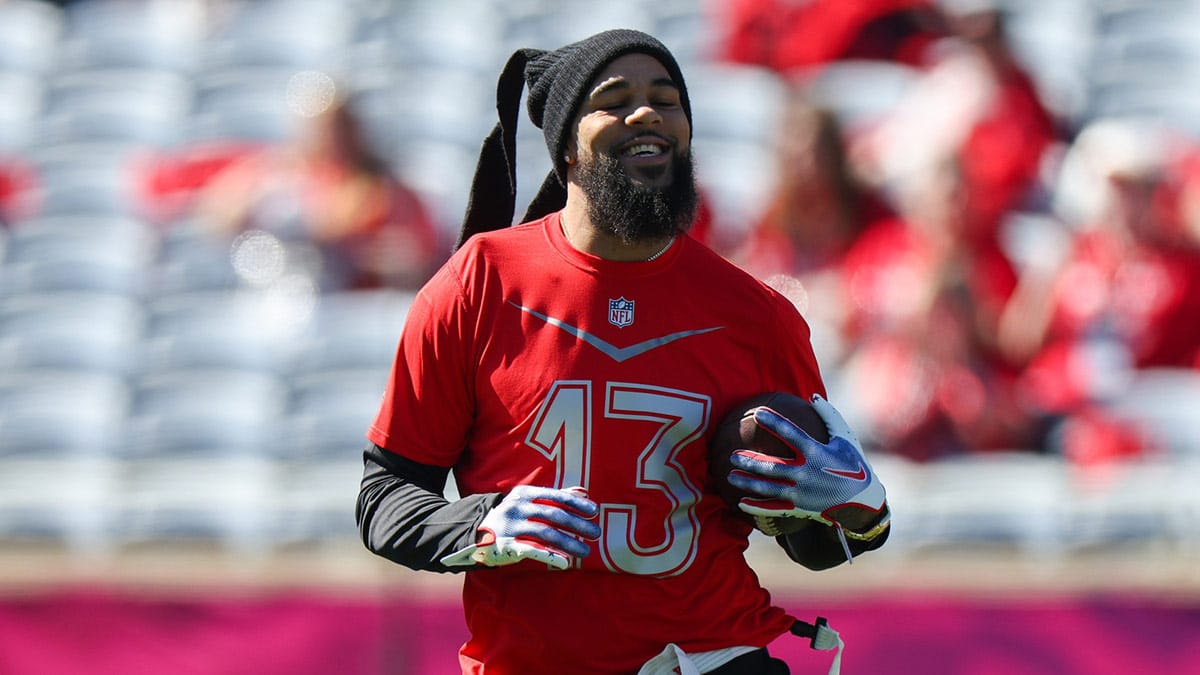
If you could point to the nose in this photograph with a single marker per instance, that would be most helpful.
(644, 114)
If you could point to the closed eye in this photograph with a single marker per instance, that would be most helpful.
(616, 94)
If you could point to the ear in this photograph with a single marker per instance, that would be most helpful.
(571, 153)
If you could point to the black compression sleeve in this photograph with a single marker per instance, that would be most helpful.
(404, 517)
(817, 546)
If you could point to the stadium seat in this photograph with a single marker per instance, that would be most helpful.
(353, 330)
(217, 329)
(441, 172)
(115, 121)
(1145, 62)
(313, 473)
(48, 237)
(455, 106)
(192, 259)
(77, 188)
(192, 463)
(571, 21)
(689, 29)
(214, 500)
(240, 103)
(203, 412)
(70, 159)
(132, 33)
(447, 36)
(78, 253)
(53, 412)
(336, 383)
(80, 88)
(58, 428)
(330, 412)
(309, 500)
(85, 332)
(29, 34)
(20, 108)
(1163, 403)
(1013, 501)
(533, 164)
(56, 501)
(289, 33)
(1137, 503)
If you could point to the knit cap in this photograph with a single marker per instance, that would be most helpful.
(558, 82)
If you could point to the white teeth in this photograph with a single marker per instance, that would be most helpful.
(643, 149)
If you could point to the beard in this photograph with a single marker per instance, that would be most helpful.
(632, 212)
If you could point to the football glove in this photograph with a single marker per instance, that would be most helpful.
(533, 523)
(823, 482)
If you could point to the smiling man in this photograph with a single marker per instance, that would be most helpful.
(571, 370)
(630, 161)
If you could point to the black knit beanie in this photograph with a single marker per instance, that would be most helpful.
(558, 82)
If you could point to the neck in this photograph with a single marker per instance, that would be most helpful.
(587, 238)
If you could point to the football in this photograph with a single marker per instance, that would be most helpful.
(738, 430)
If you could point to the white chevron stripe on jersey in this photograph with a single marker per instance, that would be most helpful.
(614, 352)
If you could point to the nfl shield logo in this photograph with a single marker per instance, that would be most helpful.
(620, 312)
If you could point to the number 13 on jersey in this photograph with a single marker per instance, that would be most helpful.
(563, 433)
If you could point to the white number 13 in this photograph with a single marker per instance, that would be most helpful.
(562, 433)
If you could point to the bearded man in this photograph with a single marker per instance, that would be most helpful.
(570, 370)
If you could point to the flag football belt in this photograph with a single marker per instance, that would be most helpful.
(821, 637)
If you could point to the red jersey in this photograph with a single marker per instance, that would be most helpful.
(525, 361)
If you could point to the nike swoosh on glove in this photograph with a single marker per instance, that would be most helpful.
(822, 478)
(533, 523)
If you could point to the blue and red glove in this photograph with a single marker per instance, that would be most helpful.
(533, 523)
(825, 482)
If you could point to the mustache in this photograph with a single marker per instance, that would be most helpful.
(643, 136)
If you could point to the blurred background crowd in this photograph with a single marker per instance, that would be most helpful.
(214, 214)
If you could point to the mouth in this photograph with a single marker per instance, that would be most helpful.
(647, 158)
(645, 149)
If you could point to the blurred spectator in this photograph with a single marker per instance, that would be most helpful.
(925, 301)
(819, 207)
(1126, 297)
(1002, 153)
(817, 211)
(785, 35)
(974, 102)
(330, 195)
(168, 182)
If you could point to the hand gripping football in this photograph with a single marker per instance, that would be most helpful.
(820, 473)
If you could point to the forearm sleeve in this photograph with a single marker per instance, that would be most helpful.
(403, 516)
(817, 546)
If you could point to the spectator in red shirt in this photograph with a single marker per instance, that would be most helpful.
(976, 103)
(1002, 153)
(925, 300)
(1126, 297)
(330, 194)
(819, 207)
